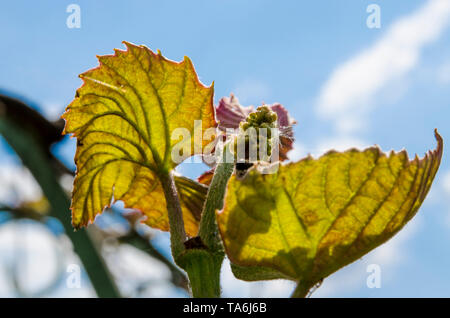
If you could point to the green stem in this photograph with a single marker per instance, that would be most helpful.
(203, 268)
(202, 256)
(176, 223)
(209, 232)
(301, 291)
(203, 265)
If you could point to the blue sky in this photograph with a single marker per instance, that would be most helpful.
(345, 84)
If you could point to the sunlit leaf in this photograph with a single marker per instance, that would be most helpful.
(192, 195)
(318, 215)
(206, 177)
(123, 117)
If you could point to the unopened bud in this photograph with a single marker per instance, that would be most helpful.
(263, 119)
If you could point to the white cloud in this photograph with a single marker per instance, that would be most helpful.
(443, 73)
(353, 85)
(350, 123)
(338, 143)
(298, 152)
(133, 267)
(322, 145)
(40, 260)
(233, 287)
(252, 91)
(445, 191)
(17, 184)
(446, 182)
(31, 252)
(53, 110)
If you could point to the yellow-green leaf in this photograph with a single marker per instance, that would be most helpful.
(318, 215)
(123, 117)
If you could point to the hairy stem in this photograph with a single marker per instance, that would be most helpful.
(301, 291)
(201, 257)
(203, 264)
(209, 232)
(203, 268)
(176, 223)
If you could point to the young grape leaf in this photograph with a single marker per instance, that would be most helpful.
(318, 215)
(123, 117)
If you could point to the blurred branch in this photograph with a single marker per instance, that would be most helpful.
(178, 278)
(30, 135)
(22, 213)
(132, 237)
(44, 132)
(41, 133)
(142, 241)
